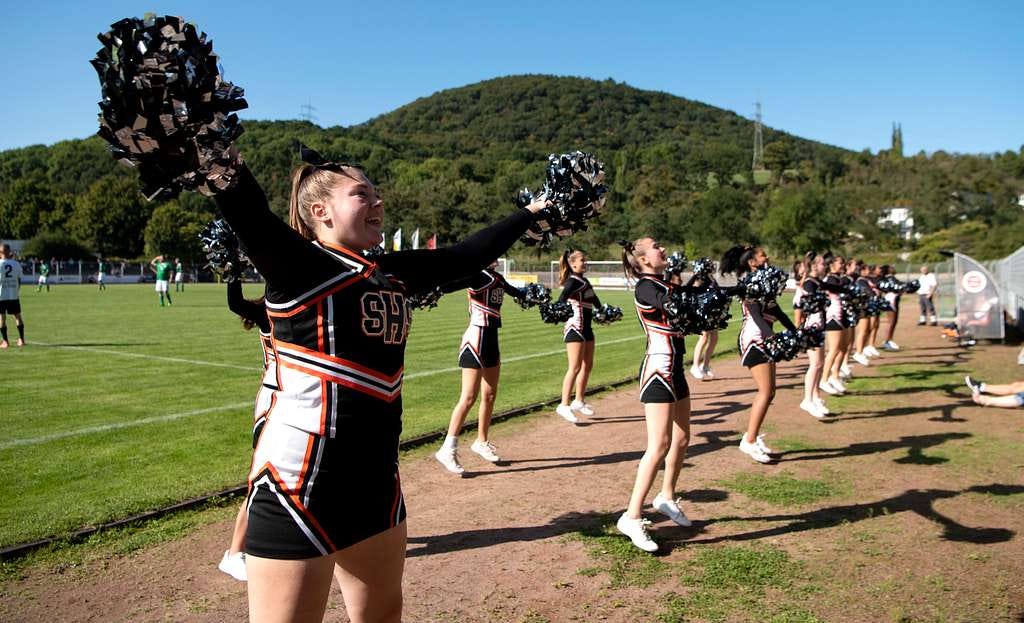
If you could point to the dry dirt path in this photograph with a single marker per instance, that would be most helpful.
(497, 545)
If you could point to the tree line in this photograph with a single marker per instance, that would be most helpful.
(677, 169)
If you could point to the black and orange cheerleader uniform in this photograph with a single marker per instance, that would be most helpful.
(325, 470)
(582, 298)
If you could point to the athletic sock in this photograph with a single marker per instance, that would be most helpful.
(21, 331)
(450, 441)
(3, 332)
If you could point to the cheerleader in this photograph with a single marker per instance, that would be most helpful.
(758, 317)
(253, 314)
(812, 271)
(578, 334)
(480, 361)
(663, 392)
(835, 328)
(893, 315)
(708, 340)
(875, 275)
(863, 327)
(325, 495)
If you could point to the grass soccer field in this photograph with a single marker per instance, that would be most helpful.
(118, 405)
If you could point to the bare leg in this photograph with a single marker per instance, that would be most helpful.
(710, 350)
(893, 318)
(863, 328)
(370, 575)
(288, 590)
(997, 401)
(764, 377)
(470, 383)
(574, 350)
(587, 362)
(677, 447)
(698, 350)
(1004, 390)
(876, 322)
(833, 353)
(815, 360)
(659, 419)
(489, 387)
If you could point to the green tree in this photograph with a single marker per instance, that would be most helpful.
(110, 217)
(174, 231)
(23, 205)
(801, 219)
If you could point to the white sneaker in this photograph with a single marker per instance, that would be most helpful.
(871, 351)
(708, 374)
(822, 406)
(861, 359)
(826, 387)
(566, 412)
(890, 346)
(449, 457)
(697, 373)
(670, 508)
(486, 450)
(234, 565)
(761, 444)
(582, 407)
(838, 386)
(845, 371)
(812, 408)
(754, 451)
(636, 530)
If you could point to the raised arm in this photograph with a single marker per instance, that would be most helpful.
(425, 268)
(284, 258)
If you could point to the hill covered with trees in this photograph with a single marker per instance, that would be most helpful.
(679, 170)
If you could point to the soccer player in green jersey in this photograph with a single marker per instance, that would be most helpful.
(162, 268)
(101, 271)
(44, 276)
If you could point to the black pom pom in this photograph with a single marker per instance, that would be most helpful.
(810, 338)
(681, 310)
(782, 346)
(224, 254)
(912, 286)
(606, 314)
(764, 284)
(703, 267)
(575, 188)
(535, 294)
(165, 107)
(712, 310)
(374, 252)
(555, 313)
(814, 302)
(676, 264)
(424, 300)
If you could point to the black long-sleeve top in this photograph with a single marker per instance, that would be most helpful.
(252, 311)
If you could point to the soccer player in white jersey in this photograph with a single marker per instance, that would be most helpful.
(10, 286)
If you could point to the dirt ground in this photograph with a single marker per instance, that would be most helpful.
(909, 535)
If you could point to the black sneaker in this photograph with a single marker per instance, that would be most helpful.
(973, 385)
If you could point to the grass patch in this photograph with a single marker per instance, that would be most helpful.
(624, 564)
(783, 489)
(65, 557)
(723, 581)
(984, 455)
(793, 444)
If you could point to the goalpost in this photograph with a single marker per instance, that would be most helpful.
(602, 274)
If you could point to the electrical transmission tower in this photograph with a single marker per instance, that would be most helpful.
(306, 112)
(758, 164)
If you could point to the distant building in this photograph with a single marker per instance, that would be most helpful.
(900, 218)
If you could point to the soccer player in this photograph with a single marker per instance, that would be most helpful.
(162, 268)
(44, 277)
(10, 287)
(578, 333)
(101, 271)
(179, 275)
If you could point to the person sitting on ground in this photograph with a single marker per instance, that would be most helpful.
(1010, 395)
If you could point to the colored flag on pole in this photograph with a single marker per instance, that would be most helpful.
(416, 238)
(396, 240)
(432, 242)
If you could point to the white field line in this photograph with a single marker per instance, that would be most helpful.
(504, 360)
(174, 416)
(105, 427)
(194, 362)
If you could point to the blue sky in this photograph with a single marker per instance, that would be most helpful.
(951, 72)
